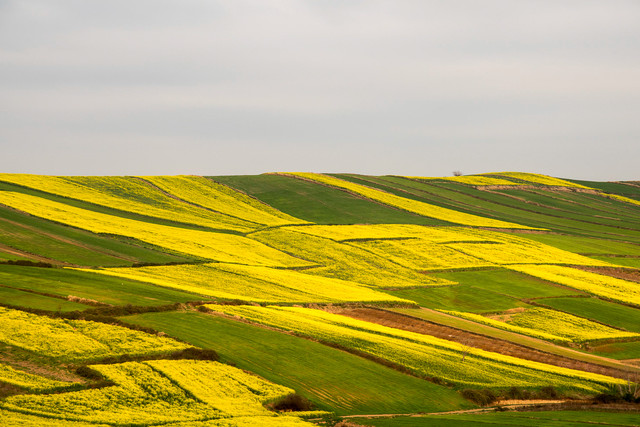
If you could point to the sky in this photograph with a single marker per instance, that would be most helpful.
(419, 88)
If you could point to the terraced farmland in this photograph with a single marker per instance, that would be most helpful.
(295, 298)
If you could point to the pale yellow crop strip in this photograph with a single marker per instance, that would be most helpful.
(538, 179)
(396, 231)
(507, 327)
(421, 255)
(215, 246)
(30, 382)
(259, 284)
(76, 340)
(523, 253)
(211, 195)
(475, 180)
(409, 205)
(622, 198)
(422, 354)
(128, 194)
(344, 261)
(596, 284)
(566, 325)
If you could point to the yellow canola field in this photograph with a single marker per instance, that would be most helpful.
(220, 247)
(160, 392)
(574, 328)
(622, 198)
(523, 252)
(475, 180)
(538, 179)
(217, 197)
(141, 396)
(345, 261)
(253, 283)
(426, 248)
(262, 421)
(18, 419)
(131, 195)
(507, 326)
(596, 284)
(422, 354)
(409, 205)
(30, 382)
(77, 340)
(422, 255)
(224, 387)
(343, 233)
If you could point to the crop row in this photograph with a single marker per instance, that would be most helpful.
(422, 354)
(30, 382)
(216, 246)
(253, 283)
(596, 284)
(77, 340)
(537, 179)
(409, 205)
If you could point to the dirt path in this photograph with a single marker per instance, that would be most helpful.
(504, 403)
(469, 339)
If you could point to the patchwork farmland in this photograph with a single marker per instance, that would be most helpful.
(293, 299)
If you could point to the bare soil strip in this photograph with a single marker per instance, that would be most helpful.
(470, 339)
(617, 272)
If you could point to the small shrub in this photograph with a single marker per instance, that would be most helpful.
(482, 397)
(548, 392)
(293, 402)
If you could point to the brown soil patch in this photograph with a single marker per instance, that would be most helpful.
(506, 315)
(469, 339)
(617, 272)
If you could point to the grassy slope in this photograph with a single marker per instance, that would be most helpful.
(106, 289)
(318, 203)
(71, 245)
(331, 378)
(17, 298)
(602, 311)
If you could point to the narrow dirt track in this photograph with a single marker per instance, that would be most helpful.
(470, 339)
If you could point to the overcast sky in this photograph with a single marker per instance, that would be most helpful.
(377, 87)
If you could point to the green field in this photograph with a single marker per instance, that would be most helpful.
(334, 380)
(105, 289)
(609, 313)
(318, 203)
(510, 419)
(17, 298)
